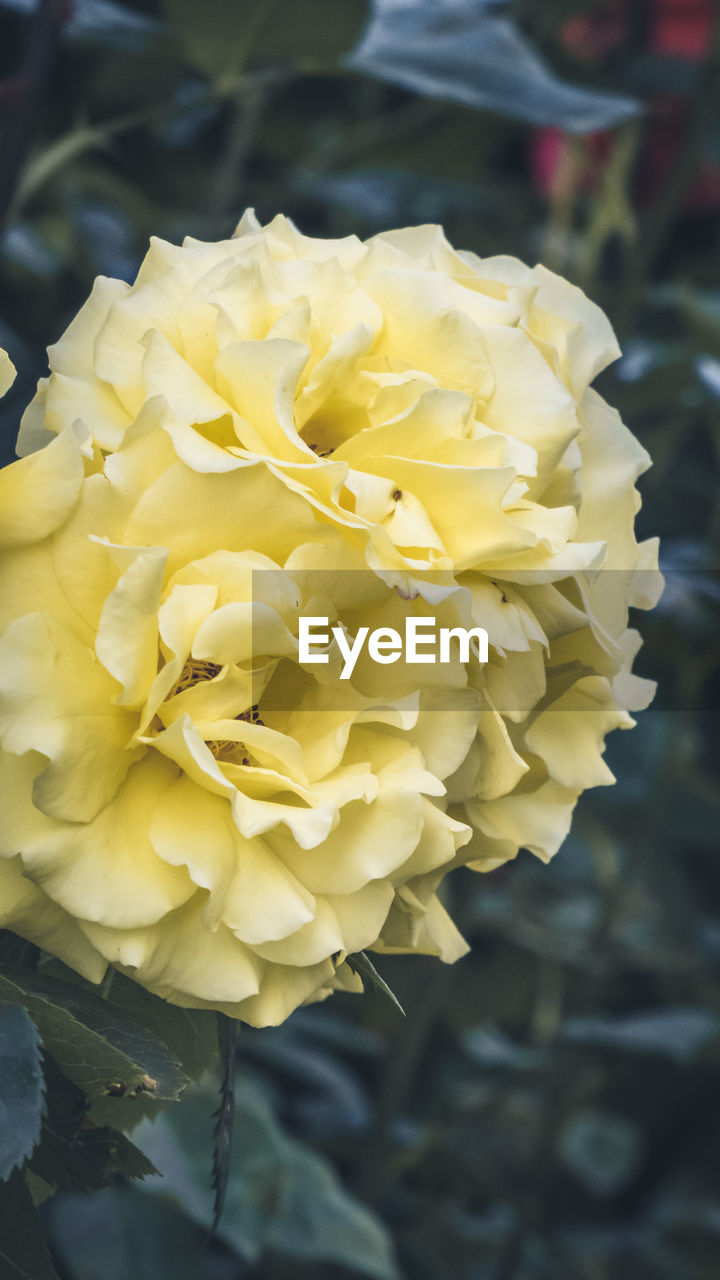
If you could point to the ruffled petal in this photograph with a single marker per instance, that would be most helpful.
(38, 493)
(55, 700)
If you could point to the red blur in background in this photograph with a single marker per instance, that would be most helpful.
(679, 29)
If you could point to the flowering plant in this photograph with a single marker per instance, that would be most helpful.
(394, 428)
(681, 30)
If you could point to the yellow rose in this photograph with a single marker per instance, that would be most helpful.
(255, 429)
(201, 811)
(426, 402)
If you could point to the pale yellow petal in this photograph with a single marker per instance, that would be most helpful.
(75, 351)
(86, 397)
(104, 870)
(239, 632)
(283, 988)
(370, 841)
(38, 492)
(55, 698)
(250, 890)
(127, 635)
(29, 912)
(537, 820)
(259, 380)
(195, 514)
(7, 372)
(569, 735)
(181, 960)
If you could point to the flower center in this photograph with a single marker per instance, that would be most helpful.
(193, 673)
(235, 752)
(319, 450)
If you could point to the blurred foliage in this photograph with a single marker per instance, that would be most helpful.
(549, 1107)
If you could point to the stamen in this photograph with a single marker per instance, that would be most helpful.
(251, 716)
(194, 672)
(227, 750)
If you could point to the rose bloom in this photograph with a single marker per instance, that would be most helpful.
(276, 426)
(678, 29)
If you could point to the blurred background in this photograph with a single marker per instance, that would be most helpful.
(550, 1107)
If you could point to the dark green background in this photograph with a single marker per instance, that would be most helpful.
(549, 1108)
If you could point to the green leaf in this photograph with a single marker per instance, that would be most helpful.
(678, 1032)
(281, 1196)
(109, 23)
(190, 1034)
(603, 1151)
(23, 1255)
(98, 1047)
(317, 1218)
(73, 1152)
(319, 30)
(72, 1158)
(220, 37)
(473, 55)
(215, 37)
(123, 1232)
(21, 1087)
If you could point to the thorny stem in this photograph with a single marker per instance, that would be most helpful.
(224, 1116)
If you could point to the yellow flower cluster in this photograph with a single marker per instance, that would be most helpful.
(254, 431)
